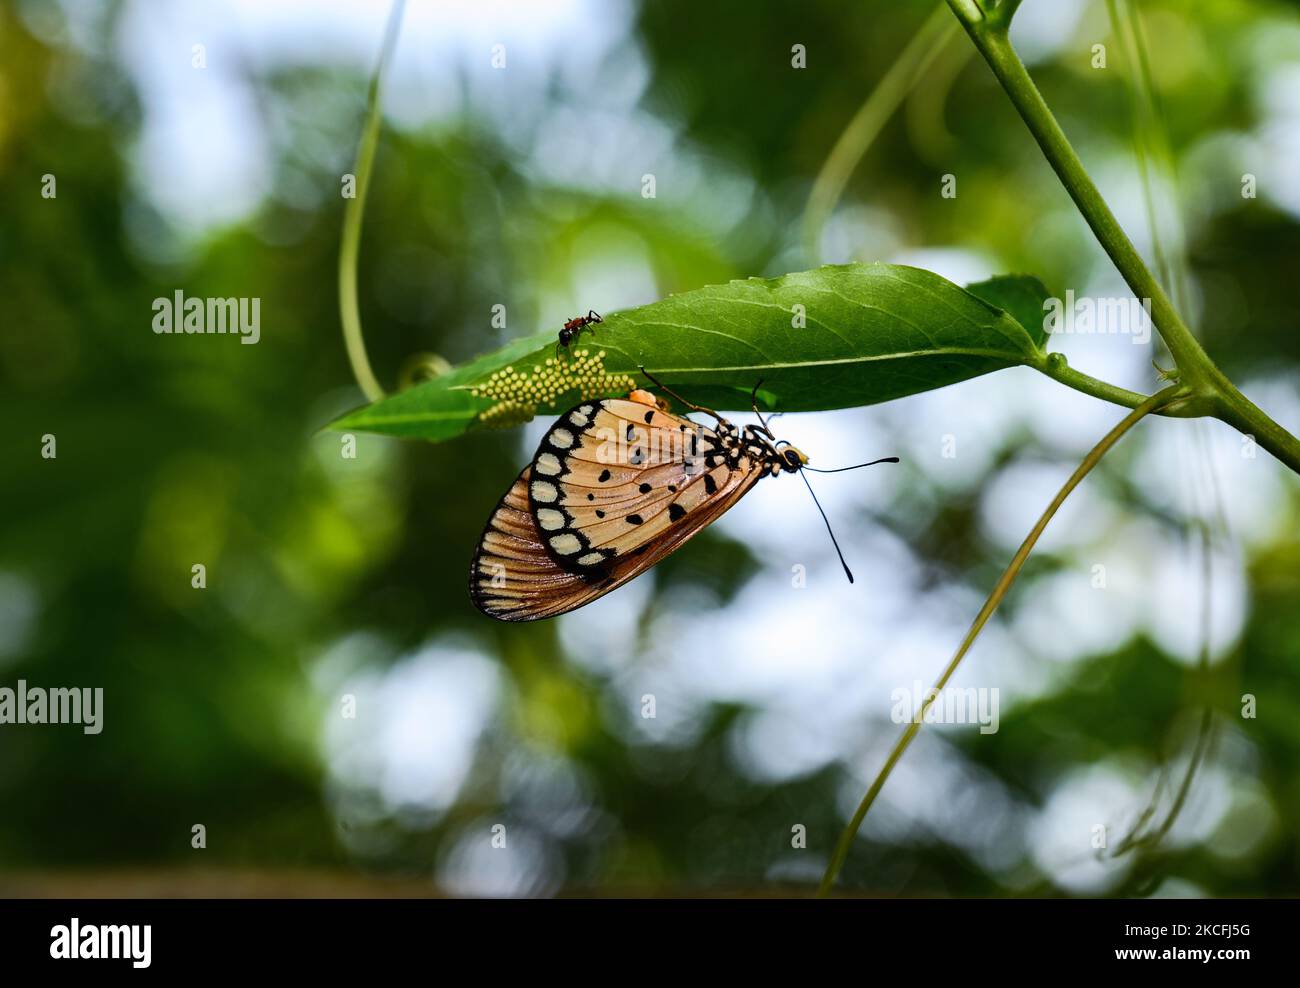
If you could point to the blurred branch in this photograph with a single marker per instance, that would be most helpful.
(1155, 402)
(924, 112)
(865, 127)
(421, 367)
(1151, 147)
(354, 212)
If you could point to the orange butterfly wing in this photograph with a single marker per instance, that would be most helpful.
(615, 487)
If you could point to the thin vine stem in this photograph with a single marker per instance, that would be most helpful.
(353, 214)
(1162, 398)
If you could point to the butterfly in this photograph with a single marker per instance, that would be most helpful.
(574, 326)
(615, 486)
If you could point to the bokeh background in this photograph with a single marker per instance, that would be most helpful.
(331, 577)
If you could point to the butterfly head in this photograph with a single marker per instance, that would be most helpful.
(792, 458)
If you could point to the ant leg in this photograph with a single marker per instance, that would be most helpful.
(691, 405)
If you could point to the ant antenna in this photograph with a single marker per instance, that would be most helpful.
(847, 572)
(856, 466)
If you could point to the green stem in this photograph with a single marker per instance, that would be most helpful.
(1215, 393)
(990, 37)
(1149, 405)
(353, 212)
(1247, 418)
(1055, 366)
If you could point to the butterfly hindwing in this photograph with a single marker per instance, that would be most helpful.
(616, 485)
(512, 576)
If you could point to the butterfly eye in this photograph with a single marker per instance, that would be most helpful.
(792, 458)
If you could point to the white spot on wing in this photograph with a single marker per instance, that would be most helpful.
(566, 544)
(544, 492)
(548, 464)
(550, 519)
(562, 438)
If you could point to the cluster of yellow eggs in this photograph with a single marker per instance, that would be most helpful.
(505, 414)
(518, 393)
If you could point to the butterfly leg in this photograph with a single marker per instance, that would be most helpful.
(753, 402)
(689, 404)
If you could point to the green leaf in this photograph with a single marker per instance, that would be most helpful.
(834, 337)
(1021, 296)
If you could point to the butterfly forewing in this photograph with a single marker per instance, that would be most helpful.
(615, 486)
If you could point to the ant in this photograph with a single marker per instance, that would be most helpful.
(575, 326)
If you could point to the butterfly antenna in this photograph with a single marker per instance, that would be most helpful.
(847, 572)
(856, 466)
